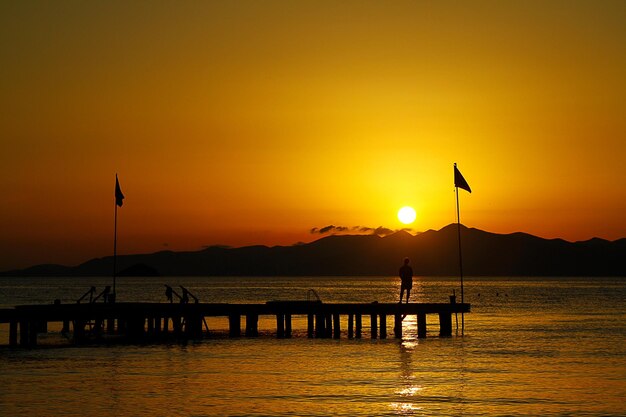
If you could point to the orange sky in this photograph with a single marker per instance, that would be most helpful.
(252, 122)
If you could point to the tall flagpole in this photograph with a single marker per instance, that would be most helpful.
(458, 216)
(119, 197)
(115, 248)
(459, 182)
(460, 257)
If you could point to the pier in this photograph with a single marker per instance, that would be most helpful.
(153, 322)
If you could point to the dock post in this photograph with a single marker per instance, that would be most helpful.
(32, 337)
(186, 327)
(176, 325)
(383, 326)
(445, 324)
(252, 325)
(110, 325)
(41, 326)
(97, 327)
(166, 324)
(121, 326)
(359, 326)
(24, 332)
(79, 331)
(287, 325)
(374, 326)
(421, 325)
(336, 326)
(150, 326)
(234, 325)
(310, 326)
(329, 326)
(397, 326)
(157, 326)
(320, 325)
(13, 333)
(350, 326)
(280, 326)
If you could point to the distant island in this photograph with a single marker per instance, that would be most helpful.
(431, 253)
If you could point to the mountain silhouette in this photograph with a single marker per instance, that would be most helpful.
(431, 253)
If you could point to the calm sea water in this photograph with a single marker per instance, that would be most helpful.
(552, 347)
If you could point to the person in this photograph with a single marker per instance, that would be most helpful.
(185, 298)
(406, 277)
(169, 293)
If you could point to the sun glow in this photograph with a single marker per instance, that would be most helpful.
(406, 215)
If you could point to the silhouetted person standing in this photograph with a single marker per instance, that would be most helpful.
(406, 277)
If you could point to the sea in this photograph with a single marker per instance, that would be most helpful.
(529, 347)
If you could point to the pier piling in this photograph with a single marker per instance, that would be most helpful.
(234, 325)
(350, 326)
(13, 333)
(374, 326)
(336, 326)
(445, 324)
(287, 325)
(383, 326)
(310, 324)
(252, 325)
(421, 325)
(397, 326)
(280, 325)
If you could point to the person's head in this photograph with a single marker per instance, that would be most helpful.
(406, 261)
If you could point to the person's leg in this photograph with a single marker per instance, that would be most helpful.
(408, 294)
(401, 294)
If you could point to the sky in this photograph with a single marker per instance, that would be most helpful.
(254, 122)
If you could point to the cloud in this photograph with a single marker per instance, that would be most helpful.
(383, 231)
(216, 247)
(329, 229)
(379, 231)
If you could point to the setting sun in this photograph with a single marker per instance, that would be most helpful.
(406, 215)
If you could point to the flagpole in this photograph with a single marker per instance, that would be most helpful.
(115, 251)
(458, 216)
(119, 200)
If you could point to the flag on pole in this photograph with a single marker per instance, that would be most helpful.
(459, 181)
(119, 197)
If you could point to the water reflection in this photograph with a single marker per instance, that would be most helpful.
(406, 409)
(409, 390)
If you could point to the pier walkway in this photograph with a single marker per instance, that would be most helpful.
(151, 322)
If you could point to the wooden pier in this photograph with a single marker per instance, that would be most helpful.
(151, 322)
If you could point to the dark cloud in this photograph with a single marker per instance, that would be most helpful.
(383, 231)
(332, 229)
(329, 229)
(216, 247)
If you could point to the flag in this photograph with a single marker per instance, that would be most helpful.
(119, 197)
(459, 181)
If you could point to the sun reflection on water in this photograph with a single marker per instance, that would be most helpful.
(408, 393)
(406, 408)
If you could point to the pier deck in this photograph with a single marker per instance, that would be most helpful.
(156, 321)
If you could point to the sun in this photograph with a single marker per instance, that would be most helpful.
(406, 215)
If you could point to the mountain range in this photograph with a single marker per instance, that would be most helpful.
(434, 252)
